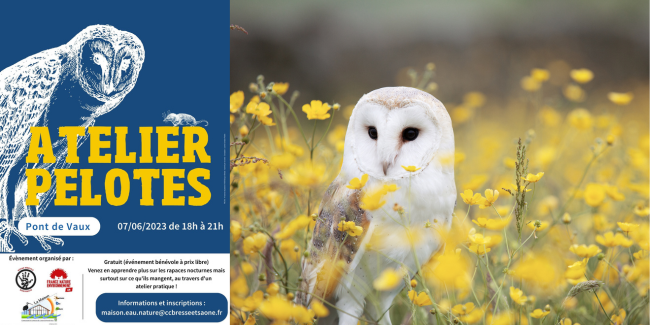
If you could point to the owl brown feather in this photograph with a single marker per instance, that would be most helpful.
(331, 251)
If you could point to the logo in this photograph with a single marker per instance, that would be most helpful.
(25, 279)
(47, 308)
(59, 279)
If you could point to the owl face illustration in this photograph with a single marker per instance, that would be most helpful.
(108, 63)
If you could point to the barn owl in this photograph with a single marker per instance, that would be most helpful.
(70, 85)
(389, 128)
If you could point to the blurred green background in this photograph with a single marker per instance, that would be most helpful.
(339, 50)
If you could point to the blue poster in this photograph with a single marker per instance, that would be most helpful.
(112, 161)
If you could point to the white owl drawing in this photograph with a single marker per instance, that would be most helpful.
(389, 128)
(70, 85)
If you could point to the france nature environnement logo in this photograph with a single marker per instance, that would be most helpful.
(59, 279)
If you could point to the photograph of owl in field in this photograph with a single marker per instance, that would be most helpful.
(70, 85)
(389, 128)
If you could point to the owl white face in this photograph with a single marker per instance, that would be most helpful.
(385, 139)
(107, 70)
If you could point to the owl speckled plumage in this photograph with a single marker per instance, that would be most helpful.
(70, 85)
(389, 128)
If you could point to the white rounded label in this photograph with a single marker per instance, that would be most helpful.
(59, 226)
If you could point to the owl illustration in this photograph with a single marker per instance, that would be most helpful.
(70, 85)
(389, 128)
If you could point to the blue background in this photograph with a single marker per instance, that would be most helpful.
(186, 70)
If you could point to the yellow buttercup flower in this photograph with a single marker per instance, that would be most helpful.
(641, 211)
(627, 227)
(277, 308)
(594, 194)
(540, 75)
(319, 309)
(478, 239)
(247, 268)
(373, 199)
(307, 174)
(351, 228)
(530, 84)
(261, 111)
(509, 162)
(576, 270)
(490, 197)
(473, 317)
(608, 239)
(585, 251)
(580, 119)
(251, 303)
(492, 224)
(470, 198)
(282, 161)
(243, 131)
(582, 75)
(280, 88)
(254, 243)
(518, 296)
(316, 110)
(236, 101)
(463, 309)
(538, 313)
(299, 223)
(574, 93)
(235, 229)
(614, 194)
(618, 319)
(411, 168)
(531, 178)
(421, 299)
(250, 320)
(273, 289)
(387, 280)
(620, 98)
(232, 118)
(356, 184)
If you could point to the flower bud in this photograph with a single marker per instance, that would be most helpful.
(253, 87)
(414, 283)
(234, 185)
(430, 66)
(547, 308)
(296, 249)
(336, 106)
(566, 218)
(236, 253)
(600, 256)
(260, 78)
(314, 216)
(290, 296)
(305, 254)
(538, 223)
(610, 140)
(456, 321)
(432, 311)
(263, 95)
(245, 140)
(299, 279)
(236, 208)
(262, 277)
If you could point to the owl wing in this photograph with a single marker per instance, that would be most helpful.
(331, 251)
(25, 92)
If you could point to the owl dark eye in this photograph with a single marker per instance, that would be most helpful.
(410, 134)
(372, 132)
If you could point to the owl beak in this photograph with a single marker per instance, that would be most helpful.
(386, 165)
